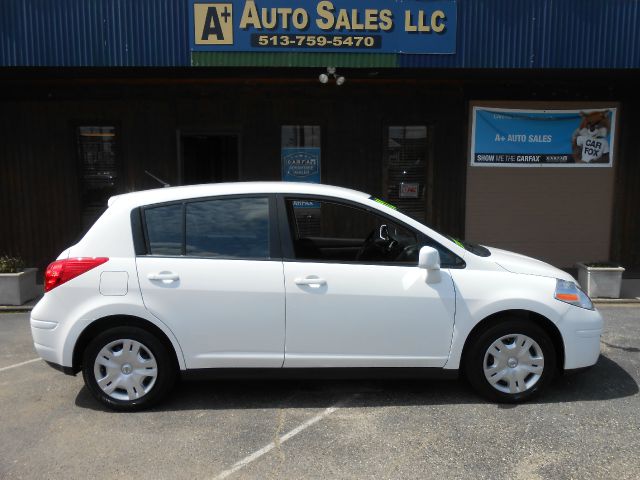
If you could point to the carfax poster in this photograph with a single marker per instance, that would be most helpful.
(542, 138)
(301, 164)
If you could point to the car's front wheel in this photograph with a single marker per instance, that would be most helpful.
(511, 361)
(128, 368)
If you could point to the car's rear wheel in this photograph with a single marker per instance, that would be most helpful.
(128, 368)
(511, 361)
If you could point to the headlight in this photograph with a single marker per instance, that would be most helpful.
(569, 292)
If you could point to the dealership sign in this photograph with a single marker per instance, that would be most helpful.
(535, 138)
(375, 26)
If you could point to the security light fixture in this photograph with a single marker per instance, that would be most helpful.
(331, 72)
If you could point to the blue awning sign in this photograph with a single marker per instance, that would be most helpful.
(375, 26)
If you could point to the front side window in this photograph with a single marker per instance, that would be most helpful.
(215, 228)
(348, 233)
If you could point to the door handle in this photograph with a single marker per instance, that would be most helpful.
(310, 281)
(164, 276)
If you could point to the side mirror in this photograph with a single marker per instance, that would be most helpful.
(429, 259)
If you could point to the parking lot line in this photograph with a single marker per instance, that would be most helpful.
(15, 365)
(267, 448)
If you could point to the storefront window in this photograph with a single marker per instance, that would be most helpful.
(405, 169)
(99, 165)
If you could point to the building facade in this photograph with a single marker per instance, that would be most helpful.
(506, 123)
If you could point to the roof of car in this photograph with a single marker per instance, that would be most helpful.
(160, 195)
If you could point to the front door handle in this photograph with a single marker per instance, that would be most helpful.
(312, 280)
(166, 277)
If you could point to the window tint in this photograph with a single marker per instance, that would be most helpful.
(236, 227)
(164, 229)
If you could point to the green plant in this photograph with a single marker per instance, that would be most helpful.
(10, 264)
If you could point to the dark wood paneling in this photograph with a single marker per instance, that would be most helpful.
(40, 213)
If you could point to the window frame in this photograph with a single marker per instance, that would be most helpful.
(285, 216)
(141, 236)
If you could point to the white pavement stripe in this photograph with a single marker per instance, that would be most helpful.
(266, 449)
(15, 365)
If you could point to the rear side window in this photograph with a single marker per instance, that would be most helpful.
(237, 228)
(164, 229)
(215, 228)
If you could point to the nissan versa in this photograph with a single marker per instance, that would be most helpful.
(299, 279)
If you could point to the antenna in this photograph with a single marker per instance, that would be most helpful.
(160, 181)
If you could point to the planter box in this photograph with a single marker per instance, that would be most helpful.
(600, 282)
(18, 288)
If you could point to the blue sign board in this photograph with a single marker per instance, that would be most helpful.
(375, 26)
(522, 137)
(301, 164)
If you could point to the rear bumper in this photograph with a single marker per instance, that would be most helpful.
(47, 340)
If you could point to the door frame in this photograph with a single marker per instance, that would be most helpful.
(207, 132)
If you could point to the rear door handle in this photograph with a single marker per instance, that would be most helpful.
(164, 276)
(310, 281)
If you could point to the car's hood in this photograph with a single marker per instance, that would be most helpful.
(517, 263)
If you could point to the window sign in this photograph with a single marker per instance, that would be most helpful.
(503, 137)
(301, 164)
(379, 26)
(300, 156)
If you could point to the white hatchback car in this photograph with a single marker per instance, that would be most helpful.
(299, 279)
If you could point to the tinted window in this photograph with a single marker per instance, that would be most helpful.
(235, 227)
(164, 229)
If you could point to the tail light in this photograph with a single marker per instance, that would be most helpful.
(61, 271)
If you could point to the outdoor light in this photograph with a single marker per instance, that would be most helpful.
(331, 72)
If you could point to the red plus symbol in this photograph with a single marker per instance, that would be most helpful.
(225, 14)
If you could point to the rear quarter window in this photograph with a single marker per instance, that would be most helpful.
(164, 229)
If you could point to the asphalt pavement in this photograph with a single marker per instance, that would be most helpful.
(586, 425)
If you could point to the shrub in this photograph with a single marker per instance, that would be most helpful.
(10, 264)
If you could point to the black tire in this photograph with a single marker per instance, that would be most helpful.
(478, 356)
(152, 348)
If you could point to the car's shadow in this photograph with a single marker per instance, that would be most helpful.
(606, 380)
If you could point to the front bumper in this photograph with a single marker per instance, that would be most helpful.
(581, 330)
